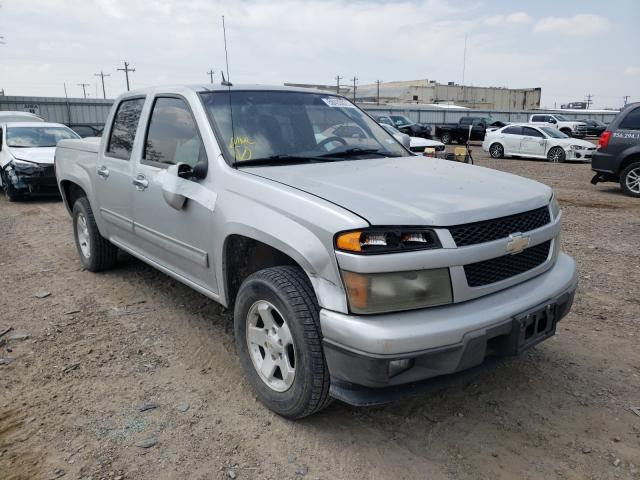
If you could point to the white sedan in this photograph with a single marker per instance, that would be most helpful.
(535, 141)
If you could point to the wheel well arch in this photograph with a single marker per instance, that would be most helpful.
(243, 256)
(634, 157)
(565, 129)
(71, 192)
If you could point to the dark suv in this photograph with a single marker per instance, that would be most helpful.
(617, 158)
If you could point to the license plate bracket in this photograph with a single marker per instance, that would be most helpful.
(534, 326)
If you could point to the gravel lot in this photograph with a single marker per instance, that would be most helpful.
(82, 362)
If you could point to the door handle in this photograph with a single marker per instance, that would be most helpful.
(140, 182)
(103, 172)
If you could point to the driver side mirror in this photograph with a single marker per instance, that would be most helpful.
(553, 120)
(199, 171)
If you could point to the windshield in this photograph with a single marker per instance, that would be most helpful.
(37, 137)
(553, 132)
(562, 118)
(284, 126)
(401, 120)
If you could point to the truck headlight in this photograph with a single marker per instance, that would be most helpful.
(554, 207)
(387, 240)
(395, 291)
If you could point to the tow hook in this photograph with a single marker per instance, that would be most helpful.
(596, 178)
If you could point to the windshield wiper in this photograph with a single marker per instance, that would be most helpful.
(356, 151)
(281, 160)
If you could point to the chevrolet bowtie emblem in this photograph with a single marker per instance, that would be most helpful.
(517, 243)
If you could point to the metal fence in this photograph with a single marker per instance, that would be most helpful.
(72, 111)
(80, 111)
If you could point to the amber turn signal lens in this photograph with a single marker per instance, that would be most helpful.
(357, 289)
(349, 241)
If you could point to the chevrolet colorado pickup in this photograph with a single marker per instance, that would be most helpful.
(355, 270)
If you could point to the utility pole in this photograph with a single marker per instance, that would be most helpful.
(626, 100)
(210, 73)
(378, 82)
(84, 88)
(126, 71)
(338, 78)
(102, 75)
(589, 101)
(354, 80)
(464, 66)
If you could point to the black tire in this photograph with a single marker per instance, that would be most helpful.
(629, 180)
(445, 138)
(102, 253)
(567, 132)
(10, 192)
(496, 150)
(556, 155)
(460, 141)
(287, 288)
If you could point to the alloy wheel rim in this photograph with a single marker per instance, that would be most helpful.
(271, 346)
(555, 155)
(82, 231)
(633, 180)
(495, 151)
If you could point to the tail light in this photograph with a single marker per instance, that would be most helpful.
(603, 141)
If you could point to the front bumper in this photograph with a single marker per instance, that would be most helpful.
(32, 179)
(581, 155)
(437, 341)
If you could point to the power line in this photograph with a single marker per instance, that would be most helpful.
(210, 73)
(589, 101)
(354, 80)
(102, 75)
(126, 71)
(378, 82)
(84, 88)
(338, 78)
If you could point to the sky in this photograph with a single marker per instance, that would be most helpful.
(568, 48)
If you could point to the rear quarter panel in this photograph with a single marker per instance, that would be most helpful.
(76, 163)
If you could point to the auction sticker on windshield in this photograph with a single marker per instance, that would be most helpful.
(338, 102)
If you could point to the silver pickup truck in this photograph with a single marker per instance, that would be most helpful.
(354, 269)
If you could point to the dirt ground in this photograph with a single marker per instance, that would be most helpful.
(81, 363)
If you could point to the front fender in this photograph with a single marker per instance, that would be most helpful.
(287, 231)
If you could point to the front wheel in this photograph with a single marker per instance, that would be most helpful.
(10, 193)
(630, 180)
(496, 150)
(445, 138)
(556, 155)
(96, 252)
(277, 336)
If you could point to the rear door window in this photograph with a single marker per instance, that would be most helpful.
(631, 121)
(123, 131)
(513, 131)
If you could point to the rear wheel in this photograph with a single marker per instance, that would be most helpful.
(630, 180)
(445, 138)
(96, 252)
(277, 335)
(556, 155)
(567, 132)
(496, 150)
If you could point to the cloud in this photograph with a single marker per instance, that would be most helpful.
(517, 18)
(632, 71)
(581, 24)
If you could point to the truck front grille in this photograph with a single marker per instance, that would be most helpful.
(497, 269)
(489, 230)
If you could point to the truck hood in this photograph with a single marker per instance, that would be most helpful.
(43, 155)
(413, 190)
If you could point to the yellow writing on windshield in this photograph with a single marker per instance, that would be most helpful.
(241, 147)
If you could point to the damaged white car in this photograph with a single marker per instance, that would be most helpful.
(532, 141)
(27, 151)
